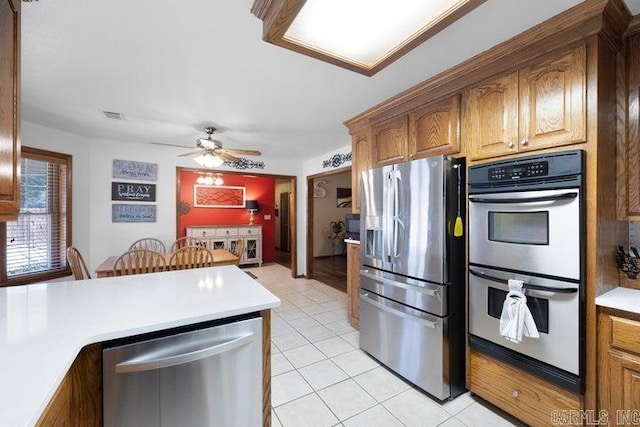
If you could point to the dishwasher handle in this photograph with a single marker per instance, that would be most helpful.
(150, 362)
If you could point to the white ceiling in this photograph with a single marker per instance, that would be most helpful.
(171, 67)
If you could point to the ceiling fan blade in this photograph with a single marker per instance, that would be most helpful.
(190, 153)
(225, 156)
(238, 151)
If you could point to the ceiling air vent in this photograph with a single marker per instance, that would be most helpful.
(112, 115)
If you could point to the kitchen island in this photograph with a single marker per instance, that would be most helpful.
(44, 327)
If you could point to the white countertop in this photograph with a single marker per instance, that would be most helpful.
(357, 242)
(43, 327)
(626, 299)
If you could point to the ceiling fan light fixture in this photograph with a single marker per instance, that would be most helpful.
(207, 160)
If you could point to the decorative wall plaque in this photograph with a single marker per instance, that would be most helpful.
(337, 160)
(133, 191)
(133, 213)
(135, 170)
(218, 196)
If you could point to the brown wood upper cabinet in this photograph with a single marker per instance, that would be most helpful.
(9, 109)
(361, 161)
(633, 142)
(389, 141)
(435, 128)
(539, 106)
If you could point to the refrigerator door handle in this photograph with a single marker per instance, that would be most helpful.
(370, 299)
(430, 292)
(397, 222)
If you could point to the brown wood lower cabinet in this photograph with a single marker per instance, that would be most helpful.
(78, 399)
(619, 366)
(530, 399)
(353, 284)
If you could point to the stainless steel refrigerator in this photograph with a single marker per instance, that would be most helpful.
(412, 274)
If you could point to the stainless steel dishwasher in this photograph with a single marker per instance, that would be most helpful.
(197, 378)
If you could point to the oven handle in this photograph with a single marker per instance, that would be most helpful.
(524, 285)
(369, 299)
(556, 197)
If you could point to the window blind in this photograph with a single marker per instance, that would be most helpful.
(36, 242)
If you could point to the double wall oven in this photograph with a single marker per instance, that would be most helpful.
(526, 222)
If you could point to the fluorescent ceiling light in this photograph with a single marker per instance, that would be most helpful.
(361, 35)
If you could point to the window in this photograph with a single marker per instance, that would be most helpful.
(35, 244)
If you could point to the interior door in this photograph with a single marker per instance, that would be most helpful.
(284, 221)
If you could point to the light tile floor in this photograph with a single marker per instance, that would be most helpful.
(321, 378)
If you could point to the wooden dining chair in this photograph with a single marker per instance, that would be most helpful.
(239, 248)
(149, 243)
(187, 241)
(76, 262)
(139, 261)
(190, 257)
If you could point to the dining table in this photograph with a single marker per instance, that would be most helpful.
(220, 257)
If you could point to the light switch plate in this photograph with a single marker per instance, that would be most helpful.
(267, 217)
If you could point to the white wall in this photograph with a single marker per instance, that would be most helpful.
(325, 211)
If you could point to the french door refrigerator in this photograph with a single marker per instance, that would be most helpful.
(412, 274)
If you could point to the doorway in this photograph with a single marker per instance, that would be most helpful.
(283, 197)
(328, 202)
(260, 187)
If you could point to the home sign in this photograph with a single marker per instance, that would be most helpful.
(133, 191)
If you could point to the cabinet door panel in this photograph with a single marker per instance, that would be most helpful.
(491, 117)
(625, 383)
(633, 147)
(552, 102)
(435, 129)
(360, 150)
(10, 108)
(390, 141)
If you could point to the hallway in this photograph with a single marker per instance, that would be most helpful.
(321, 378)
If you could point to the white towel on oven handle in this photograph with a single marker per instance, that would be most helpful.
(516, 320)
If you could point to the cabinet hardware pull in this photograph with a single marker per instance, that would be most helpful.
(523, 142)
(515, 393)
(510, 144)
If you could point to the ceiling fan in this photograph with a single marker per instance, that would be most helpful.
(212, 154)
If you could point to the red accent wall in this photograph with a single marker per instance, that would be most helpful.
(256, 188)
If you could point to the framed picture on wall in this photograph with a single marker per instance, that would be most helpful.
(218, 196)
(343, 197)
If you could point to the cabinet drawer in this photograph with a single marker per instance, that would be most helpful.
(522, 395)
(625, 334)
(224, 232)
(201, 232)
(250, 231)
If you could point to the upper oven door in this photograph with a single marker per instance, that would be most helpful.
(532, 231)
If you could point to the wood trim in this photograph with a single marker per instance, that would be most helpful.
(293, 228)
(278, 15)
(266, 367)
(330, 173)
(567, 28)
(309, 267)
(78, 398)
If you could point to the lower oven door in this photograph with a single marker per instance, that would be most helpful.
(408, 341)
(555, 306)
(534, 231)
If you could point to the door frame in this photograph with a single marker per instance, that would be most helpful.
(310, 178)
(293, 253)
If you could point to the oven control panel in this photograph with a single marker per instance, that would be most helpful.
(522, 170)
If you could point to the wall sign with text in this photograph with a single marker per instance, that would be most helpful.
(133, 191)
(141, 171)
(133, 213)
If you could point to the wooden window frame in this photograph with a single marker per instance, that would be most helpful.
(48, 156)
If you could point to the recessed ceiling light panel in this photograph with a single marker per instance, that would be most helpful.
(361, 35)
